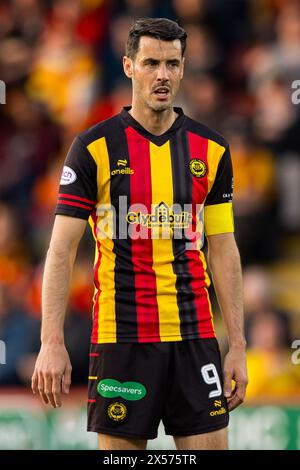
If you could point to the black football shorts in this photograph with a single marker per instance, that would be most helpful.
(132, 387)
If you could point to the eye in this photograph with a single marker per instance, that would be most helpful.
(173, 64)
(151, 62)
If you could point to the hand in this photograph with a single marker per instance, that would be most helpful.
(52, 373)
(235, 368)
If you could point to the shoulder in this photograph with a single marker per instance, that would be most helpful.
(99, 130)
(206, 132)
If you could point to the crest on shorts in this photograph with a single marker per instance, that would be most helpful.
(197, 167)
(117, 411)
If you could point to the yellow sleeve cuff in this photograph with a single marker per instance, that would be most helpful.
(218, 218)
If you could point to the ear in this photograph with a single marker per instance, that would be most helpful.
(127, 66)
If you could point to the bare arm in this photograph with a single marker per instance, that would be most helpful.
(225, 266)
(52, 373)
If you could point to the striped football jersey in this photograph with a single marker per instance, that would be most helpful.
(150, 200)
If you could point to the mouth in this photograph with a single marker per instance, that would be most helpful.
(162, 92)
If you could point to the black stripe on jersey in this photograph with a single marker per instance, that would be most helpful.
(182, 191)
(222, 188)
(125, 298)
(77, 199)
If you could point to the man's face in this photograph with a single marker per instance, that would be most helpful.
(156, 72)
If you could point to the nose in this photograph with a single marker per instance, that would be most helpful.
(162, 72)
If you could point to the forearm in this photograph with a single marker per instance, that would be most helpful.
(226, 272)
(55, 289)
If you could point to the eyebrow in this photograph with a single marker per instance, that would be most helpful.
(156, 61)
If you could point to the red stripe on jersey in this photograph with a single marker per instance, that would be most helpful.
(94, 338)
(94, 354)
(142, 255)
(198, 149)
(78, 198)
(75, 204)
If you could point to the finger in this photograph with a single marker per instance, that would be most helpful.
(238, 396)
(227, 388)
(241, 389)
(48, 388)
(233, 394)
(56, 390)
(234, 403)
(34, 383)
(41, 388)
(67, 379)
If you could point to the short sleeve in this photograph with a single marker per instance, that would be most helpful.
(218, 213)
(78, 185)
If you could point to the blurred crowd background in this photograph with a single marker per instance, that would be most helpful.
(61, 61)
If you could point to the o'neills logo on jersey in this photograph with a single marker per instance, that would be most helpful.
(122, 171)
(162, 216)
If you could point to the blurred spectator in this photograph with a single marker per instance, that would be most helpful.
(93, 21)
(29, 139)
(254, 195)
(202, 53)
(63, 72)
(203, 97)
(269, 338)
(277, 123)
(190, 11)
(258, 291)
(281, 55)
(135, 8)
(271, 371)
(20, 333)
(274, 112)
(110, 104)
(114, 52)
(14, 251)
(260, 298)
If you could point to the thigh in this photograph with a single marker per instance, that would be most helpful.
(126, 389)
(107, 442)
(215, 440)
(195, 404)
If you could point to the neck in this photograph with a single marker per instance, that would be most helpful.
(155, 122)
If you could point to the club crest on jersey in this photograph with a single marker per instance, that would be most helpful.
(117, 411)
(197, 167)
(68, 176)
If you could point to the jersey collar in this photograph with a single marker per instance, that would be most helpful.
(156, 139)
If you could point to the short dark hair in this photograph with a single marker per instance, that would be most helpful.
(159, 28)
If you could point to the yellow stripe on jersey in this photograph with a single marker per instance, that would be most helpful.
(199, 229)
(214, 155)
(218, 218)
(162, 190)
(106, 272)
(203, 260)
(207, 282)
